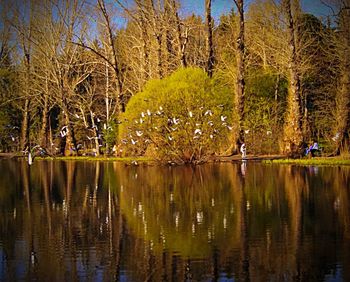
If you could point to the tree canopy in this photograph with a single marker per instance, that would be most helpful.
(73, 78)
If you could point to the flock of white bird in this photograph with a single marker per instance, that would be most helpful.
(205, 123)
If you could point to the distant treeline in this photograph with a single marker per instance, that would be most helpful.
(68, 69)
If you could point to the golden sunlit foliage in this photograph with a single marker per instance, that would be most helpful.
(185, 118)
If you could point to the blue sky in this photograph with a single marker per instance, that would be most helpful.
(224, 6)
(197, 6)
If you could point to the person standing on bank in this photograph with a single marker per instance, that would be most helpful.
(243, 150)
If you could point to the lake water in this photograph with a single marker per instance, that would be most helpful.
(104, 221)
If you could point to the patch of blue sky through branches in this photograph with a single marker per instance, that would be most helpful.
(219, 7)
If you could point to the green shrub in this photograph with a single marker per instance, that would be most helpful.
(264, 114)
(182, 118)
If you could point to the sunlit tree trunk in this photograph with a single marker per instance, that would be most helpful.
(145, 71)
(70, 144)
(27, 76)
(113, 50)
(70, 147)
(94, 126)
(25, 125)
(305, 120)
(157, 31)
(240, 80)
(292, 134)
(182, 38)
(107, 103)
(170, 54)
(210, 49)
(43, 135)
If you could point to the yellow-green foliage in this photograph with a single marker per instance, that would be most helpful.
(183, 118)
(315, 161)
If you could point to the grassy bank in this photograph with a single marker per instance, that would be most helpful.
(272, 160)
(313, 161)
(102, 158)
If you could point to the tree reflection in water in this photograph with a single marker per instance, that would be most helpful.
(68, 221)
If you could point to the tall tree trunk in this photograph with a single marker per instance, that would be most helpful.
(292, 133)
(25, 125)
(240, 83)
(94, 127)
(343, 96)
(210, 49)
(43, 137)
(182, 40)
(70, 147)
(169, 37)
(26, 115)
(343, 113)
(115, 62)
(159, 55)
(170, 51)
(158, 36)
(183, 48)
(107, 106)
(24, 33)
(145, 72)
(306, 131)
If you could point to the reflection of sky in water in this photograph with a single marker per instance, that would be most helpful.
(2, 263)
(335, 277)
(123, 277)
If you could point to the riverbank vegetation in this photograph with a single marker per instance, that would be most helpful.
(314, 161)
(143, 78)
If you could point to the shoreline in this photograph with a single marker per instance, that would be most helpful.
(268, 159)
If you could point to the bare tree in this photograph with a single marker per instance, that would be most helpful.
(109, 53)
(112, 50)
(22, 22)
(68, 67)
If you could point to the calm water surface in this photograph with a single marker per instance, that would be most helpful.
(99, 221)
